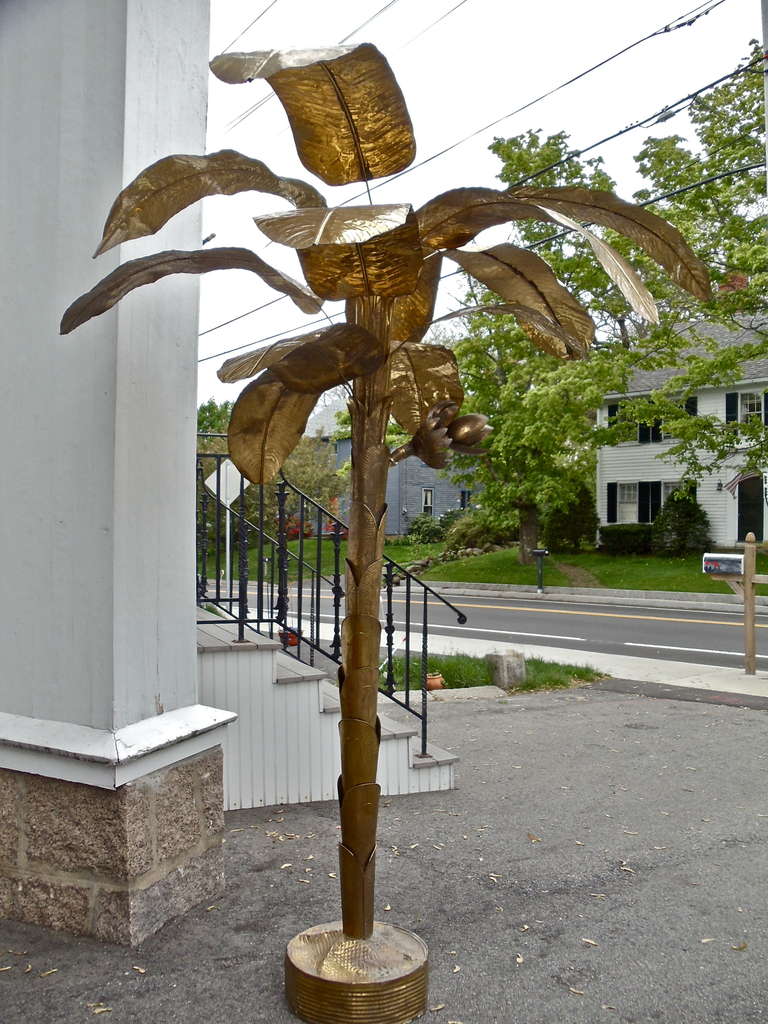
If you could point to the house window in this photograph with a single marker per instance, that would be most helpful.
(668, 487)
(750, 405)
(464, 498)
(627, 503)
(649, 433)
(426, 501)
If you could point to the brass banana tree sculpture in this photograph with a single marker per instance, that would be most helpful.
(350, 124)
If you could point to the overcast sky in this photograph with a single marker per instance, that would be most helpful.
(477, 64)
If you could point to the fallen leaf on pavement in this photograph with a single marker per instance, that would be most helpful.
(436, 1007)
(605, 1006)
(707, 940)
(576, 991)
(456, 969)
(519, 959)
(46, 974)
(139, 970)
(10, 967)
(533, 838)
(740, 948)
(283, 866)
(589, 942)
(28, 968)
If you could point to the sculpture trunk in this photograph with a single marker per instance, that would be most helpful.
(361, 632)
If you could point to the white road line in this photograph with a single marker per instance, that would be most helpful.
(695, 650)
(436, 627)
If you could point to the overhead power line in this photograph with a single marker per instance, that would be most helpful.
(265, 99)
(249, 26)
(679, 22)
(646, 121)
(432, 24)
(534, 245)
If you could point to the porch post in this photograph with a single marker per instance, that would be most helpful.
(98, 687)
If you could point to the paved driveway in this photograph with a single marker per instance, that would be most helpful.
(603, 860)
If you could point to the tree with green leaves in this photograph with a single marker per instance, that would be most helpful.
(545, 440)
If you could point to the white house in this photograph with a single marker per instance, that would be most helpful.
(633, 482)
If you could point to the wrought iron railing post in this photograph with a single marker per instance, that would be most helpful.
(389, 629)
(407, 657)
(337, 590)
(242, 594)
(424, 654)
(202, 534)
(281, 605)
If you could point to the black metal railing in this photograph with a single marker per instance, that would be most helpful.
(271, 558)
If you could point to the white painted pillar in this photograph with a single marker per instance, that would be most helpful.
(98, 428)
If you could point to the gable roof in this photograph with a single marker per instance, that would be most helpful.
(643, 381)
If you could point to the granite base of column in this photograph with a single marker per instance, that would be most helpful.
(115, 864)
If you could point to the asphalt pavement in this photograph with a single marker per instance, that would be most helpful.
(603, 859)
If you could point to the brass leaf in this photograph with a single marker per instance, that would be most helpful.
(618, 269)
(522, 277)
(341, 225)
(545, 333)
(431, 442)
(346, 110)
(412, 313)
(149, 269)
(657, 237)
(422, 376)
(455, 217)
(386, 265)
(311, 363)
(170, 185)
(267, 423)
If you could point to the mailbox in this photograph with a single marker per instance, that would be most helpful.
(722, 564)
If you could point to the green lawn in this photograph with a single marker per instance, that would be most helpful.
(629, 572)
(464, 670)
(399, 552)
(495, 567)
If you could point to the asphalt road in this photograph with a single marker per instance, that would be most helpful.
(708, 638)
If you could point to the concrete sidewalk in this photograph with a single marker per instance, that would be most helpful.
(678, 673)
(602, 860)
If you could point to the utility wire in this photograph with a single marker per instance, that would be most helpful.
(432, 24)
(534, 245)
(265, 99)
(672, 26)
(647, 121)
(249, 26)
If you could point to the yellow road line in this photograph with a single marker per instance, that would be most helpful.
(603, 615)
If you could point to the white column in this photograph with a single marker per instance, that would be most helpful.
(98, 428)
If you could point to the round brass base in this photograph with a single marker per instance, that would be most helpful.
(332, 979)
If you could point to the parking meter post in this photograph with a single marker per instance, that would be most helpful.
(750, 561)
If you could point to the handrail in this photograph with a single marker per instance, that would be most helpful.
(276, 563)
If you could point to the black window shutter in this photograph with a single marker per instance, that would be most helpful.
(643, 502)
(765, 408)
(655, 499)
(611, 510)
(692, 405)
(731, 406)
(656, 430)
(613, 411)
(643, 433)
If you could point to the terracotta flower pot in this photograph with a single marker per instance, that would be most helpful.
(435, 681)
(289, 639)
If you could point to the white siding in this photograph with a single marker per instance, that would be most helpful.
(630, 461)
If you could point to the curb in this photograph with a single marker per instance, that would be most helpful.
(595, 595)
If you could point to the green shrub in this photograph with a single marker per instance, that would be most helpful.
(681, 526)
(571, 528)
(425, 529)
(626, 539)
(475, 529)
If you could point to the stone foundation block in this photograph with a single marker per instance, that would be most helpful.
(116, 864)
